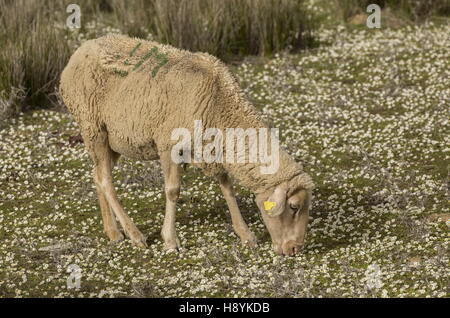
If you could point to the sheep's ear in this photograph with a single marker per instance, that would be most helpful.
(276, 202)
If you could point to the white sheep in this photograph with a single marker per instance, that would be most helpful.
(129, 95)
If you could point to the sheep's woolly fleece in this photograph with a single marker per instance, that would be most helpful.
(108, 85)
(368, 116)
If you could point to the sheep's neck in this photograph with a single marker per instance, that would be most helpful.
(250, 175)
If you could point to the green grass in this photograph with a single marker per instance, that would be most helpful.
(381, 167)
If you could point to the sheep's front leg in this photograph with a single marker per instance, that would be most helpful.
(103, 159)
(171, 173)
(239, 225)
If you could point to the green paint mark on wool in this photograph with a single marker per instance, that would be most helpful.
(164, 61)
(120, 72)
(145, 58)
(135, 49)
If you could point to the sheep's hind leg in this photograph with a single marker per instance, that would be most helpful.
(109, 220)
(171, 173)
(239, 225)
(103, 158)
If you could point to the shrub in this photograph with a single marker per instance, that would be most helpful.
(36, 44)
(33, 50)
(232, 27)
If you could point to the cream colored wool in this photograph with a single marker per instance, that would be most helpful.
(139, 112)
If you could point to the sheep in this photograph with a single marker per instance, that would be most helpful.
(129, 95)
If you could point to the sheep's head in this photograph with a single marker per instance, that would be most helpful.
(285, 212)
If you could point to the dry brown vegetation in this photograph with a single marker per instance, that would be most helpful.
(36, 43)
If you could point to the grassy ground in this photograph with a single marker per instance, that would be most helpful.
(367, 114)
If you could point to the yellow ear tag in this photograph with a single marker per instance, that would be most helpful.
(268, 205)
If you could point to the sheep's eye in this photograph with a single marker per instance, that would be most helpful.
(294, 207)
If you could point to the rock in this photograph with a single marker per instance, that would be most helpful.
(414, 261)
(357, 19)
(56, 247)
(438, 217)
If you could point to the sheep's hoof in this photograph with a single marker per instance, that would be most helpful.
(141, 244)
(115, 235)
(172, 245)
(249, 241)
(139, 241)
